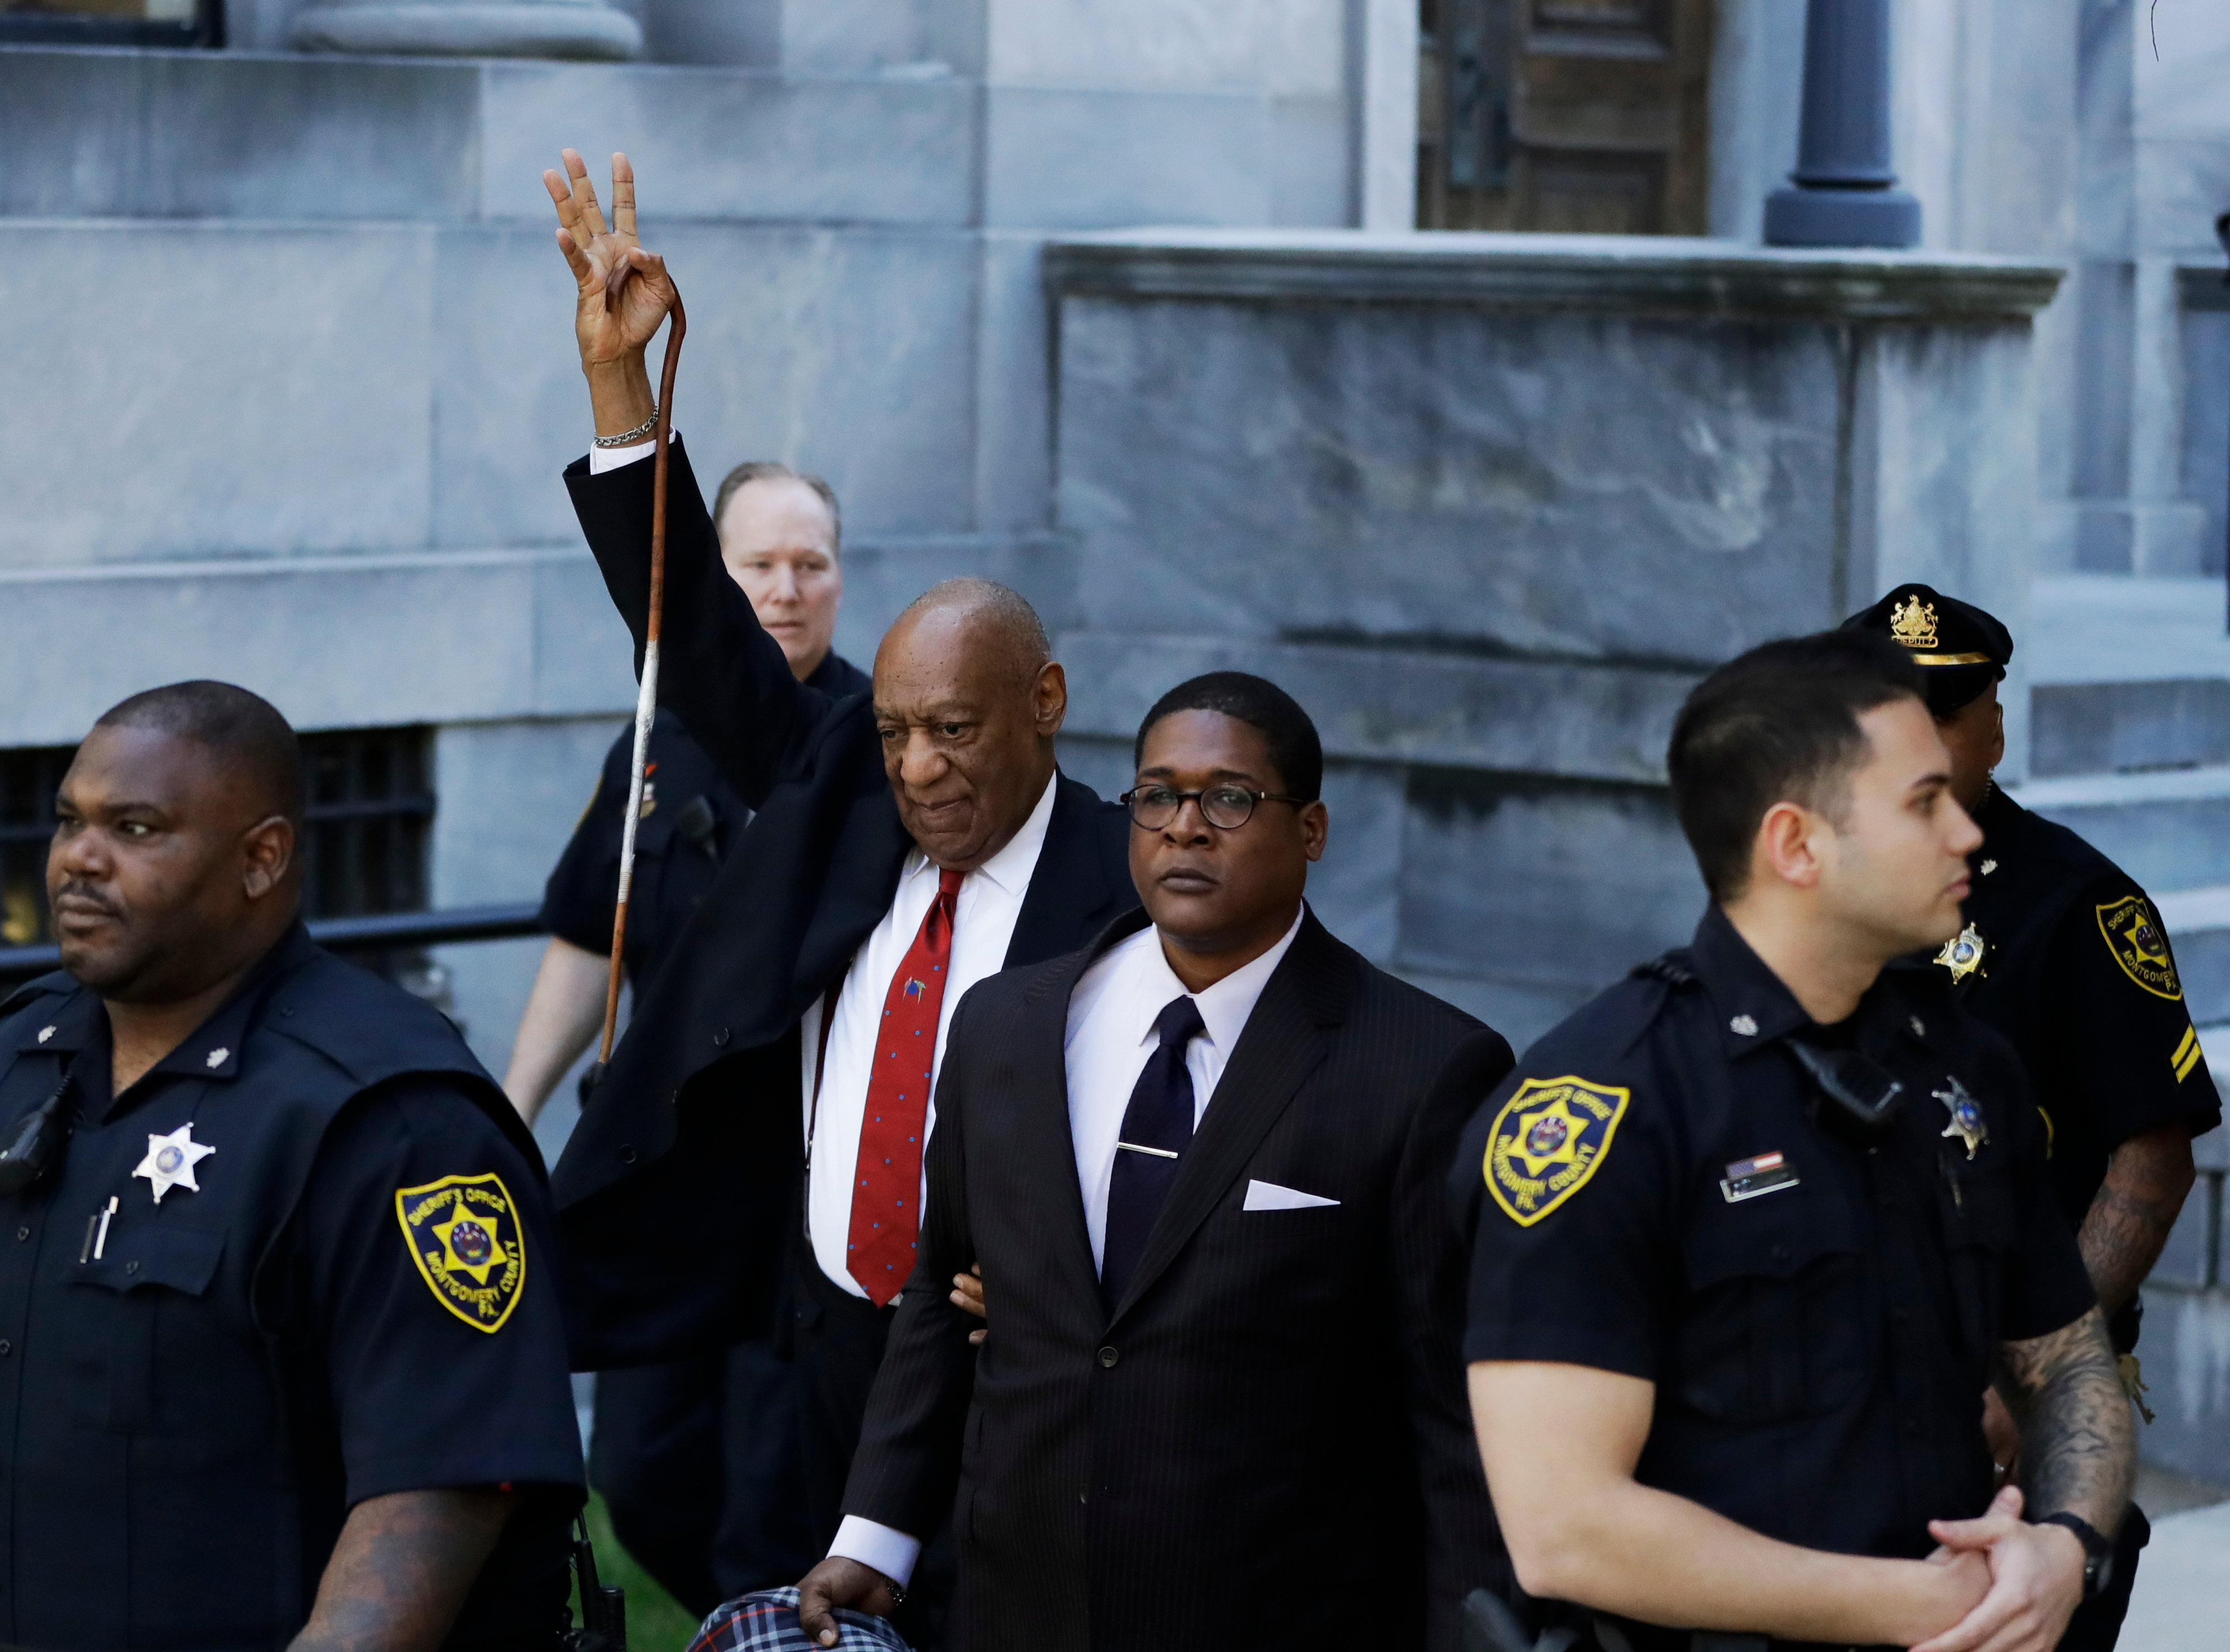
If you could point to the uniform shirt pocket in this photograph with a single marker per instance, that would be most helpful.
(113, 1307)
(1982, 1231)
(1775, 1326)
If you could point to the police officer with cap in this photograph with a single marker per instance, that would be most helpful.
(2062, 952)
(282, 1361)
(1750, 1231)
(698, 1460)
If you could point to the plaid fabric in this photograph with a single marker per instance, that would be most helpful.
(766, 1621)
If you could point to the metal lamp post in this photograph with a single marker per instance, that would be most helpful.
(1843, 192)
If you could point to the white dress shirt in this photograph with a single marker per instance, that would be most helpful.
(983, 916)
(610, 458)
(1110, 1034)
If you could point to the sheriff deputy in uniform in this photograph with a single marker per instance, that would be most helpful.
(282, 1362)
(697, 1459)
(2062, 952)
(1751, 1231)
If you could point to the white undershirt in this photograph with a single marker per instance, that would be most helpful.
(989, 901)
(1110, 1034)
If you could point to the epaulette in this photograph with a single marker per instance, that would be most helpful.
(57, 984)
(1668, 969)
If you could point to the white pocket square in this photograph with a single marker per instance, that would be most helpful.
(1268, 1196)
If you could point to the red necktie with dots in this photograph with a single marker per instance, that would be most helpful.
(887, 1186)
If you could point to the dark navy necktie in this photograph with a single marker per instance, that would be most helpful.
(1157, 1129)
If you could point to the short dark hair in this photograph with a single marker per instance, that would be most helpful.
(239, 727)
(1777, 724)
(773, 470)
(1295, 751)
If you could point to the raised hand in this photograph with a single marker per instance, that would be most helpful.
(623, 292)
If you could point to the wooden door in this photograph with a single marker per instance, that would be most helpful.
(1564, 115)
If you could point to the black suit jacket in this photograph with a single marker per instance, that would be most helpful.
(1267, 1441)
(678, 1193)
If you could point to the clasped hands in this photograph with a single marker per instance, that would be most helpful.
(2025, 1580)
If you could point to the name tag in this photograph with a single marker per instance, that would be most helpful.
(1754, 1178)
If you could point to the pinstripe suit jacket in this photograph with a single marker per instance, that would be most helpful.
(1265, 1443)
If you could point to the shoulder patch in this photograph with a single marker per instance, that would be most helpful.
(464, 1235)
(2134, 935)
(1547, 1141)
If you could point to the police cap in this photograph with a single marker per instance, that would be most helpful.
(1961, 648)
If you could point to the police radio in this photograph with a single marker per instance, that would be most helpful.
(38, 1141)
(1864, 1093)
(603, 1606)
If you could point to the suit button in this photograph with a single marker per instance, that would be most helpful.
(22, 1233)
(1108, 1357)
(627, 1154)
(720, 1039)
(6, 1347)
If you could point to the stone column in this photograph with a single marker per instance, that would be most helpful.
(1845, 194)
(584, 28)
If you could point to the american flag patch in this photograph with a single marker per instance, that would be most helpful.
(1748, 1177)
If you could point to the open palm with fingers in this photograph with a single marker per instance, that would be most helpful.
(624, 291)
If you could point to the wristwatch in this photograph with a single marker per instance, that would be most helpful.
(2098, 1552)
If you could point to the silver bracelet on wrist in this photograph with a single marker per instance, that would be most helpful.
(628, 438)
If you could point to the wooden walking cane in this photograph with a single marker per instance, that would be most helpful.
(646, 699)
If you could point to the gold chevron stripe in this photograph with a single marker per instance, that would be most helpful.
(2187, 1056)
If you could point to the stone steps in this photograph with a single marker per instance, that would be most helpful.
(2198, 922)
(2129, 739)
(2167, 828)
(2128, 726)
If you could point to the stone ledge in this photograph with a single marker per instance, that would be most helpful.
(417, 636)
(1581, 721)
(562, 28)
(283, 136)
(1567, 274)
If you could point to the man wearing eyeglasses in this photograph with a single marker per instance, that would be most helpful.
(1220, 1401)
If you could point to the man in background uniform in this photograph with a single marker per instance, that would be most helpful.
(2063, 953)
(280, 1348)
(698, 1459)
(1751, 1231)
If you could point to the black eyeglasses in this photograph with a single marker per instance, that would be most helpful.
(1228, 808)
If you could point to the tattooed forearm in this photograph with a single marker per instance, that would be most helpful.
(2128, 1221)
(403, 1567)
(2079, 1446)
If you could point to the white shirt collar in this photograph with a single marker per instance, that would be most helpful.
(1224, 1008)
(1011, 867)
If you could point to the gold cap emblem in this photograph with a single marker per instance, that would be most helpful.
(1913, 623)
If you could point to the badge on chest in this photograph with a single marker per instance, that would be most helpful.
(1962, 954)
(171, 1160)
